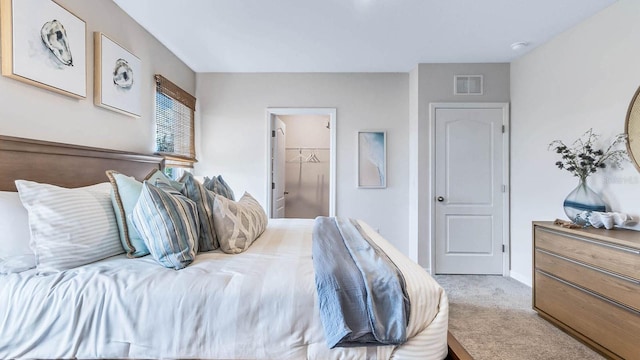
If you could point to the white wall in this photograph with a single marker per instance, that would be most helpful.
(434, 83)
(584, 78)
(306, 182)
(234, 132)
(31, 112)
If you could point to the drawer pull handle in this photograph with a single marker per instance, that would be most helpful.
(607, 245)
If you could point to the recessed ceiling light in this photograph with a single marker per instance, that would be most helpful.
(519, 45)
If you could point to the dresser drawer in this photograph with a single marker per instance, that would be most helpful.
(616, 288)
(614, 258)
(614, 328)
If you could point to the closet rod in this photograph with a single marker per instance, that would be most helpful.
(306, 148)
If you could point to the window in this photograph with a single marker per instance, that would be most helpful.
(174, 124)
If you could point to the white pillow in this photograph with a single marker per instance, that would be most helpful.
(14, 231)
(70, 227)
(16, 264)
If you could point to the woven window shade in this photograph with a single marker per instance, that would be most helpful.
(174, 124)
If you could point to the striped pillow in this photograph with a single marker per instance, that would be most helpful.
(69, 227)
(230, 195)
(169, 225)
(238, 224)
(126, 191)
(214, 184)
(204, 201)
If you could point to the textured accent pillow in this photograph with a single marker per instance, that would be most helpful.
(169, 224)
(204, 201)
(126, 191)
(238, 224)
(69, 227)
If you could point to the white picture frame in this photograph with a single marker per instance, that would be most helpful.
(44, 44)
(372, 159)
(117, 77)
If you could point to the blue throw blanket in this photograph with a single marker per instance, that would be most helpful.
(362, 295)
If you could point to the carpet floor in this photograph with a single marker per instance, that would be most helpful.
(491, 316)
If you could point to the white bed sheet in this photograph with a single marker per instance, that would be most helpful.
(258, 304)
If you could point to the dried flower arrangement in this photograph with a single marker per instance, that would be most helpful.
(583, 159)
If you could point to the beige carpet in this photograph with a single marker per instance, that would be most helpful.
(491, 316)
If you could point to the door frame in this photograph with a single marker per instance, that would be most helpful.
(505, 176)
(271, 113)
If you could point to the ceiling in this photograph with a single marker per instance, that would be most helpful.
(352, 35)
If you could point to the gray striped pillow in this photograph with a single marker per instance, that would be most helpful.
(238, 224)
(214, 184)
(227, 188)
(69, 227)
(126, 191)
(204, 201)
(169, 225)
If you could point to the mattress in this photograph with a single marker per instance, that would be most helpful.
(260, 304)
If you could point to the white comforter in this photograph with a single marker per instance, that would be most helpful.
(258, 304)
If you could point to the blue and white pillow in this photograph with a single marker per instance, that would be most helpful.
(204, 200)
(169, 225)
(126, 191)
(219, 187)
(69, 227)
(229, 192)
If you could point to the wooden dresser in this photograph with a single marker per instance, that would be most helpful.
(587, 282)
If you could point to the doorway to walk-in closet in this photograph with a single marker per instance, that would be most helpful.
(302, 163)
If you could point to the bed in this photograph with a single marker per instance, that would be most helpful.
(259, 304)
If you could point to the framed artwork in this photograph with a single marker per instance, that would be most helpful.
(44, 45)
(117, 77)
(372, 159)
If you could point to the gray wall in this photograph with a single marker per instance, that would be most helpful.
(434, 83)
(32, 112)
(234, 135)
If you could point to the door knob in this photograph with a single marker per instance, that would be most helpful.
(440, 198)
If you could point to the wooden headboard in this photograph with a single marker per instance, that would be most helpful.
(66, 165)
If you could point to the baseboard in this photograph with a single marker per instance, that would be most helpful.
(521, 278)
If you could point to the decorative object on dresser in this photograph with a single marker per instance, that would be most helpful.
(44, 45)
(117, 80)
(587, 282)
(582, 159)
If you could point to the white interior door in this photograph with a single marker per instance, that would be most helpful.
(277, 185)
(469, 196)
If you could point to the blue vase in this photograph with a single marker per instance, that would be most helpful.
(582, 199)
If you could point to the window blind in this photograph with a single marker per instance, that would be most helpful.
(174, 124)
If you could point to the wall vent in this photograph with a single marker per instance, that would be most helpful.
(468, 85)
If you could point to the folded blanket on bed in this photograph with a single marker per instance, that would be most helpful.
(361, 292)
